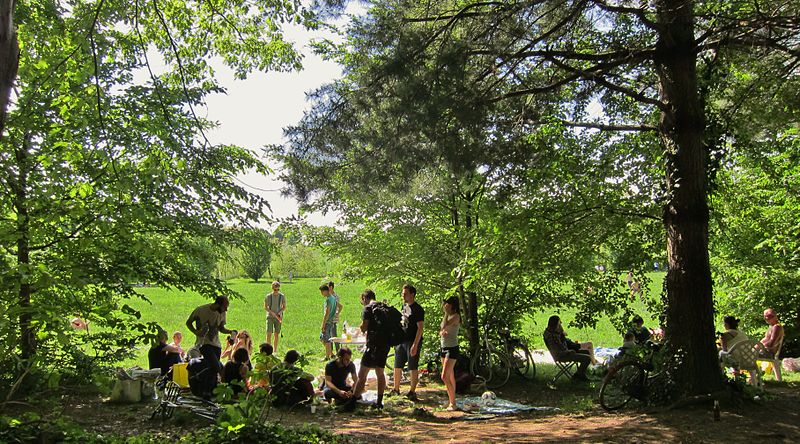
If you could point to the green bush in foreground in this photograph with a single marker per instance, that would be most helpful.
(31, 428)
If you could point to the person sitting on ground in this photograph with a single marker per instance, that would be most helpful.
(265, 362)
(730, 337)
(235, 371)
(640, 332)
(773, 338)
(290, 384)
(163, 356)
(628, 342)
(564, 350)
(242, 340)
(336, 373)
(177, 338)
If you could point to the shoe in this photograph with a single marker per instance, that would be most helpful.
(378, 406)
(349, 405)
(580, 377)
(393, 392)
(412, 396)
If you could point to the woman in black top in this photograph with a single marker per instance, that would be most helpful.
(235, 370)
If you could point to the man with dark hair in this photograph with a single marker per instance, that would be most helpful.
(265, 361)
(640, 332)
(290, 384)
(207, 322)
(375, 354)
(328, 328)
(409, 350)
(336, 373)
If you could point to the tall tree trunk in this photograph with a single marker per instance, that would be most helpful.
(27, 342)
(690, 307)
(9, 57)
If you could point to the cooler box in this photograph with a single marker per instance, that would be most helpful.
(180, 374)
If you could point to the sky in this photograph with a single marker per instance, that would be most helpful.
(254, 112)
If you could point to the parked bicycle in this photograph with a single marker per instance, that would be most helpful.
(490, 363)
(519, 355)
(630, 378)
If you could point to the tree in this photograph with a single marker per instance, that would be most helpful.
(646, 69)
(108, 177)
(256, 255)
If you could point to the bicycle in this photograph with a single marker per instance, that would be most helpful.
(631, 378)
(490, 363)
(519, 355)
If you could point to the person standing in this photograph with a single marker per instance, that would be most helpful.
(275, 305)
(773, 338)
(328, 328)
(448, 332)
(375, 354)
(339, 305)
(206, 322)
(409, 350)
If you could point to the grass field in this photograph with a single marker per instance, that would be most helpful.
(170, 308)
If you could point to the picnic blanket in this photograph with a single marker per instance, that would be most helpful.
(500, 406)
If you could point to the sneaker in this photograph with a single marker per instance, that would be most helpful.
(393, 392)
(580, 377)
(378, 406)
(349, 405)
(412, 396)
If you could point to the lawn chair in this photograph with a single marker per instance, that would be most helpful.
(744, 355)
(774, 362)
(564, 368)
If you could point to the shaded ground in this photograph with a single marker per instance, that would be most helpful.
(774, 419)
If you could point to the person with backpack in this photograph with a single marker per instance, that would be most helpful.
(408, 351)
(375, 324)
(274, 305)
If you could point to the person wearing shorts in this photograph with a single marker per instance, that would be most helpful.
(448, 333)
(375, 355)
(408, 351)
(328, 328)
(274, 305)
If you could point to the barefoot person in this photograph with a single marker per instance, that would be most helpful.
(409, 350)
(448, 332)
(206, 322)
(275, 305)
(375, 354)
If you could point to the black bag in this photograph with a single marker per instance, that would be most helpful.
(388, 324)
(202, 378)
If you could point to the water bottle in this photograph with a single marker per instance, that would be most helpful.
(716, 410)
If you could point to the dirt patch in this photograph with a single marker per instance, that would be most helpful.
(774, 419)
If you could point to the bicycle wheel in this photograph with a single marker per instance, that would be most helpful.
(481, 365)
(522, 360)
(621, 384)
(501, 370)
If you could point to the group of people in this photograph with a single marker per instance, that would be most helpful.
(771, 342)
(207, 321)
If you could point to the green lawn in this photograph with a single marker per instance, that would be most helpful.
(170, 308)
(303, 316)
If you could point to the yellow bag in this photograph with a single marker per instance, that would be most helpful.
(180, 374)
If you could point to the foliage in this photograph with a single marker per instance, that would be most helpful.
(108, 177)
(32, 428)
(256, 252)
(495, 109)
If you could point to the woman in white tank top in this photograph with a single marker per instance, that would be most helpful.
(448, 332)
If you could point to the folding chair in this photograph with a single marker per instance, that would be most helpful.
(774, 362)
(168, 402)
(565, 368)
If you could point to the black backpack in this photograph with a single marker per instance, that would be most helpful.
(388, 325)
(202, 378)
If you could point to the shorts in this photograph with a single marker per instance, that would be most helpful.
(375, 356)
(273, 325)
(402, 355)
(449, 352)
(328, 333)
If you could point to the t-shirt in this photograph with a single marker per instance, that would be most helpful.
(373, 337)
(335, 316)
(157, 357)
(330, 304)
(208, 323)
(275, 303)
(411, 315)
(641, 334)
(339, 374)
(232, 373)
